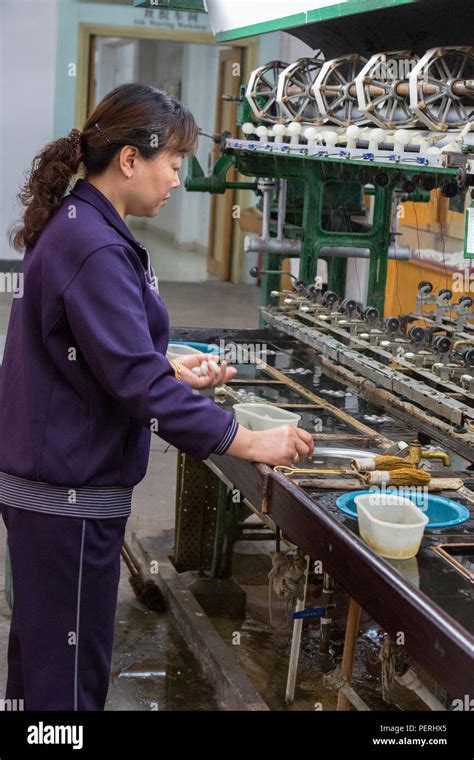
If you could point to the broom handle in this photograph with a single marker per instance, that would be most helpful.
(131, 561)
(131, 557)
(127, 561)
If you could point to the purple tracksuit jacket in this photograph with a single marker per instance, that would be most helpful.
(85, 378)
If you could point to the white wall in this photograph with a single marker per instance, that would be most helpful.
(28, 46)
(291, 48)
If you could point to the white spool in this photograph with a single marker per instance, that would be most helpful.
(278, 130)
(376, 137)
(353, 134)
(311, 134)
(401, 138)
(294, 130)
(331, 139)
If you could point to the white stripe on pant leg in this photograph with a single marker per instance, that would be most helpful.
(78, 613)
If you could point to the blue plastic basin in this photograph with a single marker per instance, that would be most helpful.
(441, 512)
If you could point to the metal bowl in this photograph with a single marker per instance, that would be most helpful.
(341, 453)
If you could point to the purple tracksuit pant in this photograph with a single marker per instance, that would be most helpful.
(65, 573)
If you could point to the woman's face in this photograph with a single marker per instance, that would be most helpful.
(152, 183)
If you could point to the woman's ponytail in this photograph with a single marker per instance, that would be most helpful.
(132, 114)
(48, 180)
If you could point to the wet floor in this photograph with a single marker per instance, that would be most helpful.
(263, 651)
(153, 668)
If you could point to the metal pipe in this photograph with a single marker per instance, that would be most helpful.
(271, 245)
(293, 248)
(325, 622)
(282, 207)
(241, 185)
(411, 681)
(459, 87)
(267, 186)
(399, 252)
(397, 199)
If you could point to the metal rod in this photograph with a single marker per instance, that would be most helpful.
(282, 207)
(325, 622)
(341, 438)
(267, 189)
(254, 381)
(288, 247)
(399, 252)
(272, 245)
(459, 87)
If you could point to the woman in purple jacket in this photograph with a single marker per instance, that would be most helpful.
(85, 381)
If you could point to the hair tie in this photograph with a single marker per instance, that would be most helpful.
(96, 125)
(74, 137)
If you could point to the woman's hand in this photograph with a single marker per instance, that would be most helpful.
(217, 374)
(285, 445)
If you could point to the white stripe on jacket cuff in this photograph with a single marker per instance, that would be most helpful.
(229, 436)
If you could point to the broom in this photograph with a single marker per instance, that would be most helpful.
(406, 476)
(383, 462)
(402, 477)
(146, 590)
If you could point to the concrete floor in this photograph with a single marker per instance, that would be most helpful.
(152, 667)
(171, 262)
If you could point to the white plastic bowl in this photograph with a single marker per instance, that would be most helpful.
(175, 350)
(264, 416)
(391, 525)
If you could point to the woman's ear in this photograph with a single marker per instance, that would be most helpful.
(127, 157)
